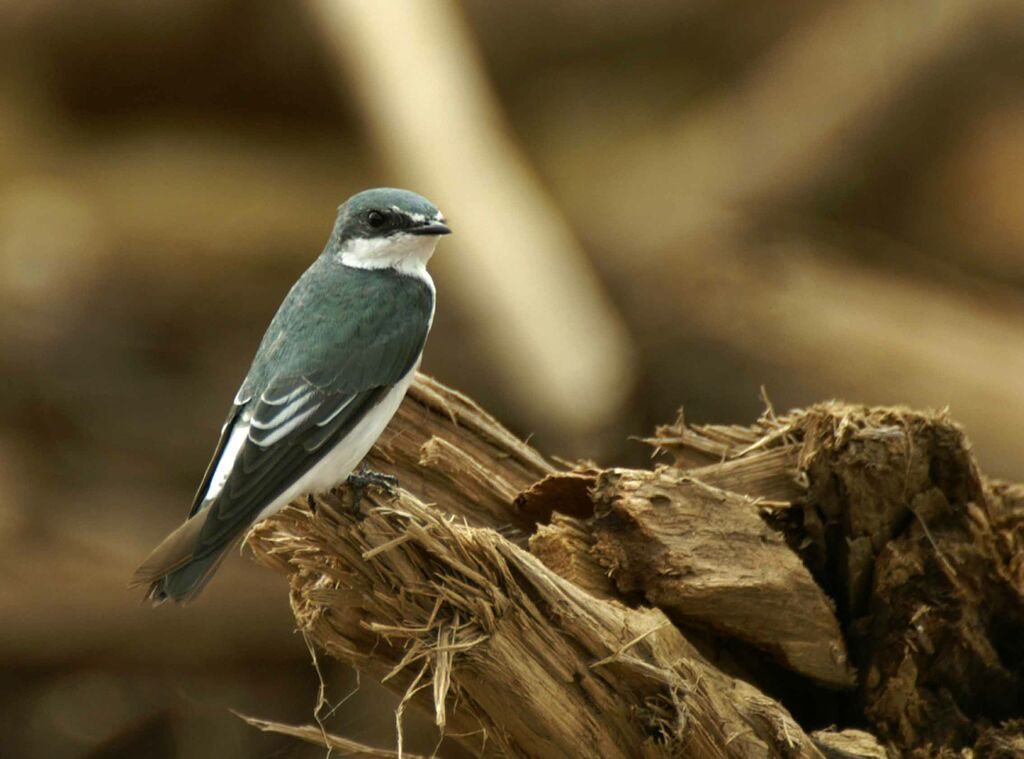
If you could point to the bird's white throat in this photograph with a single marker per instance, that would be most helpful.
(402, 252)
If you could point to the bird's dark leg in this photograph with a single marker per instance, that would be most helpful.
(311, 502)
(365, 477)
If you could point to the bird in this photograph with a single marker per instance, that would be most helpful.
(329, 374)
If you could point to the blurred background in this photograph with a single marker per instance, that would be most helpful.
(655, 205)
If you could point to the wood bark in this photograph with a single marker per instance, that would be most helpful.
(685, 610)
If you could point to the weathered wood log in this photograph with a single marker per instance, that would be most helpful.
(543, 666)
(706, 557)
(924, 556)
(613, 637)
(457, 615)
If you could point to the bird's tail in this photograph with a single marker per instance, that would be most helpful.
(184, 584)
(173, 571)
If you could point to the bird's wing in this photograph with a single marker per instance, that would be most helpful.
(289, 404)
(225, 435)
(281, 443)
(288, 428)
(271, 442)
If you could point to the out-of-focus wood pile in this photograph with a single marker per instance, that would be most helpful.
(827, 201)
(684, 610)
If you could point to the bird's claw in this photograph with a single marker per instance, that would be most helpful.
(365, 477)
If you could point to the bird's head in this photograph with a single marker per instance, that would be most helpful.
(387, 227)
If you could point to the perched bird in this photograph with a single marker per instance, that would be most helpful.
(328, 376)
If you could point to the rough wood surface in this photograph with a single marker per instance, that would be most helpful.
(489, 638)
(924, 557)
(566, 547)
(706, 557)
(849, 744)
(452, 453)
(652, 605)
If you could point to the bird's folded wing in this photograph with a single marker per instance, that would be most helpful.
(282, 441)
(266, 444)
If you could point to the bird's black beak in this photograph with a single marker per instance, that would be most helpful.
(431, 228)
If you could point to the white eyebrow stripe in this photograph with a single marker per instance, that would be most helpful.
(333, 414)
(288, 411)
(285, 428)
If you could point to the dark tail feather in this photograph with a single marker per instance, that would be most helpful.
(183, 584)
(172, 571)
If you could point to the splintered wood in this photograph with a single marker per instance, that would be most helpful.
(835, 566)
(706, 556)
(544, 668)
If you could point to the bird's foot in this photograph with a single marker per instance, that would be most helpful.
(311, 502)
(364, 478)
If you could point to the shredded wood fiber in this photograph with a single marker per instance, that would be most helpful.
(542, 666)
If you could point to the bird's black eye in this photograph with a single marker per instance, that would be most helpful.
(376, 219)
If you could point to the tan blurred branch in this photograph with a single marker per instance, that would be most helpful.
(539, 309)
(805, 110)
(866, 332)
